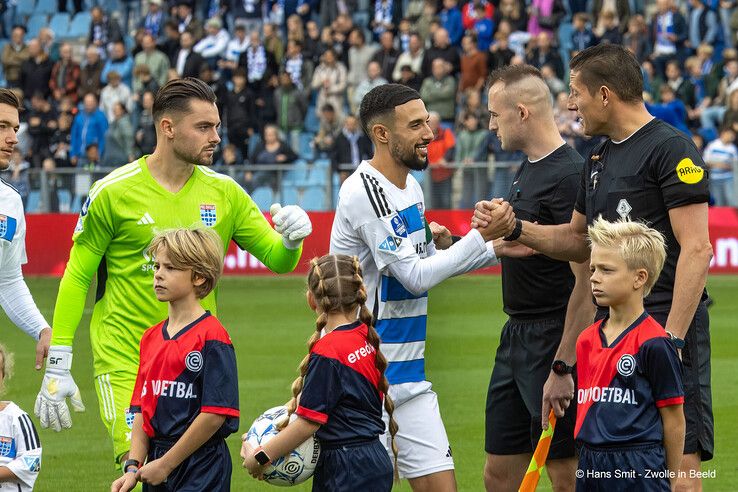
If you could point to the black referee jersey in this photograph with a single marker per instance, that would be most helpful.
(652, 171)
(543, 191)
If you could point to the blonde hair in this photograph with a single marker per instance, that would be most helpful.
(637, 244)
(336, 283)
(6, 366)
(198, 249)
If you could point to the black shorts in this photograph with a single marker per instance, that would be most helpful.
(364, 466)
(209, 468)
(622, 468)
(522, 366)
(700, 436)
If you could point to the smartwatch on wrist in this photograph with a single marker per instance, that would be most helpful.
(261, 457)
(678, 342)
(131, 463)
(561, 368)
(516, 231)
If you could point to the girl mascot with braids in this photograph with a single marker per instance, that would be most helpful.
(341, 388)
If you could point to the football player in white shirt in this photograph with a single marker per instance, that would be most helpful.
(15, 297)
(380, 218)
(20, 447)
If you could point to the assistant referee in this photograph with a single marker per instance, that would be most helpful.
(546, 310)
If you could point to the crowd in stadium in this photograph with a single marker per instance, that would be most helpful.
(290, 74)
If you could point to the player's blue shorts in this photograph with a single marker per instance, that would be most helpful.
(362, 465)
(622, 468)
(209, 468)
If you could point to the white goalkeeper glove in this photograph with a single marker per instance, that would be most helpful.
(58, 385)
(292, 223)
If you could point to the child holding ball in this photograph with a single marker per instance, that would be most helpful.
(341, 388)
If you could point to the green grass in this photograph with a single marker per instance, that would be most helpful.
(269, 323)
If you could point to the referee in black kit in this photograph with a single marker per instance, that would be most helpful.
(646, 170)
(547, 312)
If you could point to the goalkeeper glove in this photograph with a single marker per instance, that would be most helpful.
(292, 223)
(58, 385)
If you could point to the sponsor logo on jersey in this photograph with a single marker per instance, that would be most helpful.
(606, 394)
(623, 209)
(398, 225)
(173, 389)
(33, 463)
(688, 172)
(391, 243)
(626, 365)
(7, 227)
(129, 418)
(360, 353)
(7, 447)
(207, 215)
(193, 361)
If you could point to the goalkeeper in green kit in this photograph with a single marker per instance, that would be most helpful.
(170, 188)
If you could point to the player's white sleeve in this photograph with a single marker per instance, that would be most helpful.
(417, 274)
(27, 462)
(15, 297)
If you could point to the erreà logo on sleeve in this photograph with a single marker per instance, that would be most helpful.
(688, 172)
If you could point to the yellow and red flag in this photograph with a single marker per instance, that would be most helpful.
(530, 480)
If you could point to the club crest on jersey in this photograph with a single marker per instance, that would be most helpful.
(398, 225)
(626, 365)
(7, 447)
(129, 418)
(390, 244)
(193, 361)
(207, 214)
(7, 227)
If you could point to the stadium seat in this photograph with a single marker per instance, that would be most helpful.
(288, 195)
(80, 26)
(65, 200)
(312, 123)
(35, 23)
(46, 7)
(336, 181)
(26, 8)
(306, 150)
(263, 196)
(32, 202)
(314, 199)
(59, 23)
(361, 19)
(298, 175)
(318, 175)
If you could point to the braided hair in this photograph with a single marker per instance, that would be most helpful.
(336, 283)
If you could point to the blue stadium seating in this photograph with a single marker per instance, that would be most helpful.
(318, 175)
(65, 200)
(47, 7)
(263, 196)
(314, 199)
(34, 25)
(59, 23)
(289, 195)
(306, 150)
(33, 201)
(297, 176)
(80, 26)
(26, 8)
(312, 123)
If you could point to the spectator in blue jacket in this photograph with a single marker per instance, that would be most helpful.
(451, 21)
(89, 126)
(671, 110)
(120, 61)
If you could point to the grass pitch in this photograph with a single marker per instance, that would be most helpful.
(269, 323)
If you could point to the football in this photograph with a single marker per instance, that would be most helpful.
(295, 467)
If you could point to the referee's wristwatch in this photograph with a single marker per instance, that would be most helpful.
(561, 368)
(131, 463)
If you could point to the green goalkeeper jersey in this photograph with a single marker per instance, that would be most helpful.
(117, 222)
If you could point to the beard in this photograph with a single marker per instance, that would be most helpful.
(196, 158)
(408, 158)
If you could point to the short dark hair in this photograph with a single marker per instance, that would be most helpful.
(381, 102)
(175, 95)
(610, 65)
(10, 98)
(511, 74)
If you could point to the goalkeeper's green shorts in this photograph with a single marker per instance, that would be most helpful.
(114, 392)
